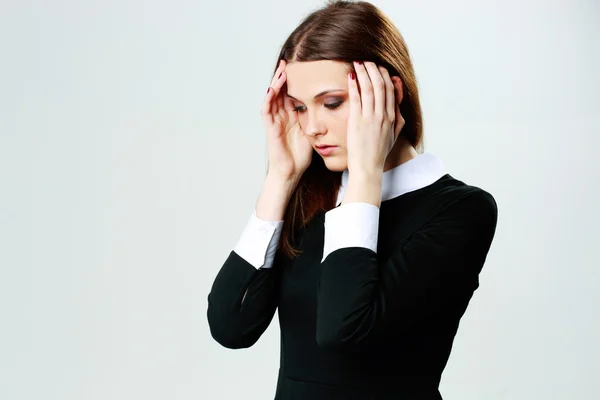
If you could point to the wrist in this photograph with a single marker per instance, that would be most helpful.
(274, 197)
(364, 175)
(284, 182)
(364, 186)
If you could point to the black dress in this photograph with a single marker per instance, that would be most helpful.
(365, 325)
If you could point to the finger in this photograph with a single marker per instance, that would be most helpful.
(265, 110)
(390, 103)
(366, 89)
(288, 103)
(274, 106)
(280, 68)
(274, 84)
(354, 95)
(279, 102)
(280, 98)
(277, 89)
(378, 90)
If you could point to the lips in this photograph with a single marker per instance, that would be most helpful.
(326, 150)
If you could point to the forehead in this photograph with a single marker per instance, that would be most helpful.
(307, 78)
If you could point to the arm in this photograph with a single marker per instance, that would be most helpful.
(359, 298)
(243, 297)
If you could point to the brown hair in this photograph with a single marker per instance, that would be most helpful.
(345, 31)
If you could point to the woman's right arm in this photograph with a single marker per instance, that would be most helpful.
(243, 297)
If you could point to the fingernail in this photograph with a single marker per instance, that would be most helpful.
(359, 62)
(281, 73)
(352, 75)
(268, 90)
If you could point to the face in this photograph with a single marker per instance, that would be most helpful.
(319, 92)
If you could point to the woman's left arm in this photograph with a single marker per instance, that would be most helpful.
(359, 299)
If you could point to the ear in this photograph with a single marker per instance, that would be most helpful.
(399, 89)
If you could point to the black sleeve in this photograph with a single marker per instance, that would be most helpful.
(359, 300)
(242, 302)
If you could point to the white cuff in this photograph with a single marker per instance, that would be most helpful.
(351, 225)
(258, 242)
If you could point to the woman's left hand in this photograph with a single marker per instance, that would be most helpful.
(375, 120)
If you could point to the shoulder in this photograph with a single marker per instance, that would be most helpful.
(457, 197)
(455, 207)
(461, 224)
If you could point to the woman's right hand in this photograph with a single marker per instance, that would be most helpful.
(289, 151)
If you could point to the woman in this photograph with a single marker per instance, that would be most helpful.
(369, 250)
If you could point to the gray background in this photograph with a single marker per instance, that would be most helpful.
(132, 152)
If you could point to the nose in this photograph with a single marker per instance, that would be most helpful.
(314, 127)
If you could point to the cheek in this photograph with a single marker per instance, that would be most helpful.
(336, 123)
(340, 126)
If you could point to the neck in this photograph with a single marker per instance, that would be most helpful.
(402, 152)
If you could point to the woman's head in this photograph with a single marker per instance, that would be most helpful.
(319, 94)
(319, 54)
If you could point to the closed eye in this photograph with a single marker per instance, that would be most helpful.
(331, 106)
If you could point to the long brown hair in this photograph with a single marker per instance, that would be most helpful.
(345, 31)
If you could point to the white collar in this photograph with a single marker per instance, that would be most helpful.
(416, 173)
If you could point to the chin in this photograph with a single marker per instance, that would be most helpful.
(336, 164)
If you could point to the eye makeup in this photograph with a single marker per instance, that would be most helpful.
(331, 106)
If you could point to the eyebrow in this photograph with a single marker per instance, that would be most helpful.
(323, 93)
